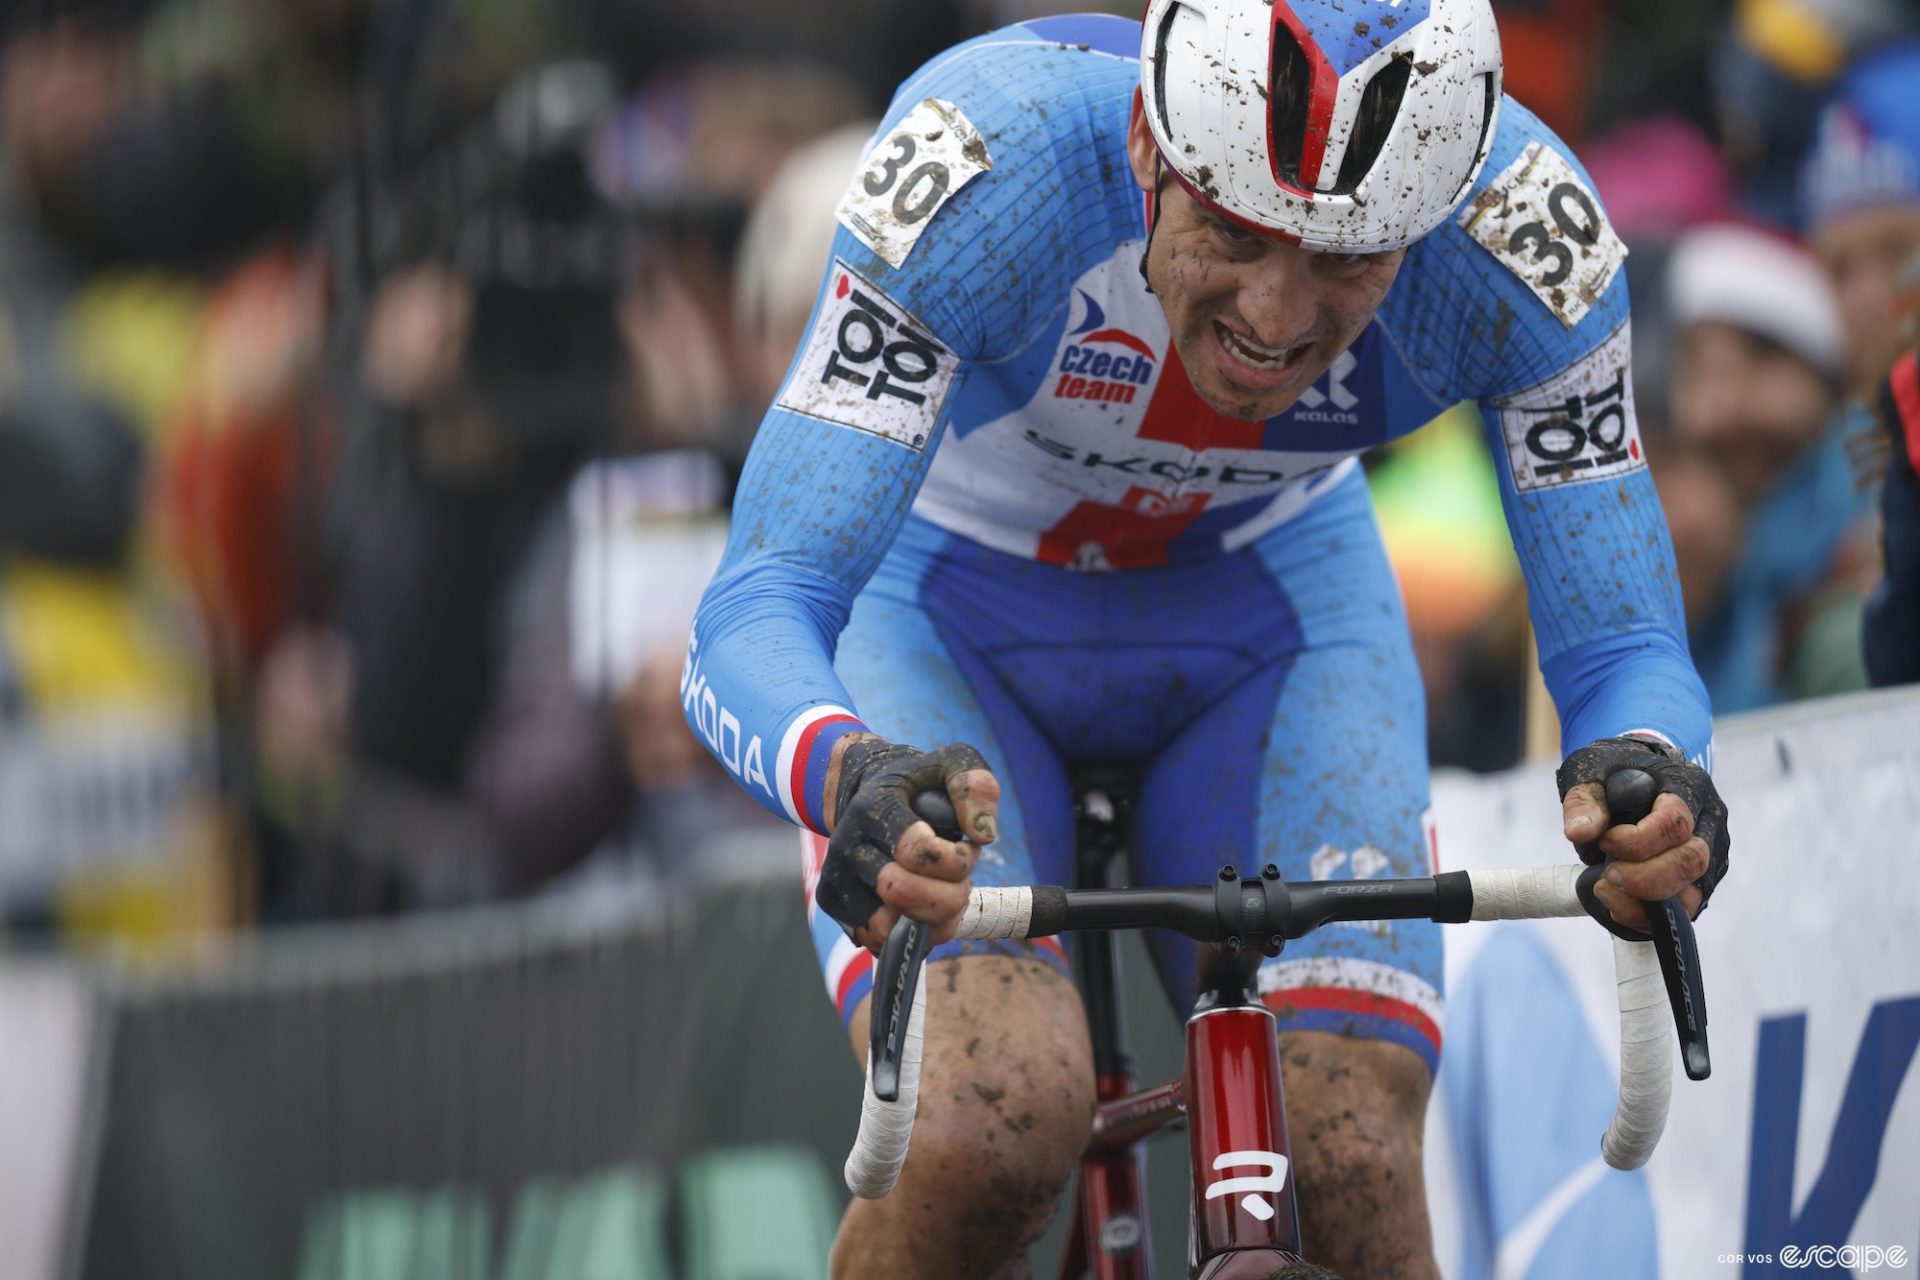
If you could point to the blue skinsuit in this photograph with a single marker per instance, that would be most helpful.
(988, 507)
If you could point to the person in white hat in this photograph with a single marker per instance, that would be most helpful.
(1758, 376)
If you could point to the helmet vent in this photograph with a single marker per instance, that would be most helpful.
(1160, 43)
(1379, 107)
(1488, 89)
(1291, 91)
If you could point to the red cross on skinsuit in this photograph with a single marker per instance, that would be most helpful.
(1133, 535)
(1177, 415)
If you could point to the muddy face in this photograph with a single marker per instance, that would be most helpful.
(1255, 321)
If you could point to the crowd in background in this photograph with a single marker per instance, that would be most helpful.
(374, 375)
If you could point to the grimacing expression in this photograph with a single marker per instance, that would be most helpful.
(1255, 321)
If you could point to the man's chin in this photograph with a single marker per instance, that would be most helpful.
(1244, 404)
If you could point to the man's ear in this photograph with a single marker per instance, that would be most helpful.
(1142, 151)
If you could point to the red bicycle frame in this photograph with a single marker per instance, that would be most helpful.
(1245, 1221)
(1243, 1217)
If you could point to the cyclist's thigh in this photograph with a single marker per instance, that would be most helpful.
(913, 680)
(1317, 764)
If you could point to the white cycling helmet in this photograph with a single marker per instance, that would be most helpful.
(1345, 125)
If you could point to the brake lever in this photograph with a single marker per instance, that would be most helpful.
(1630, 797)
(897, 970)
(1679, 953)
(895, 975)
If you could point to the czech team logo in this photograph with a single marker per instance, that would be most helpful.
(1103, 363)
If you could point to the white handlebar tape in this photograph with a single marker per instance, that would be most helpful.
(1646, 1057)
(996, 913)
(1646, 1045)
(880, 1150)
(1526, 893)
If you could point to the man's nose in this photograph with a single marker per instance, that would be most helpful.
(1279, 297)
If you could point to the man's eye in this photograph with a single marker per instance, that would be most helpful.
(1229, 232)
(1345, 265)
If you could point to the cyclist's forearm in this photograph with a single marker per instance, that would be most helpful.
(759, 690)
(1603, 588)
(1635, 681)
(817, 509)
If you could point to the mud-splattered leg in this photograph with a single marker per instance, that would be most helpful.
(1356, 1113)
(1006, 1098)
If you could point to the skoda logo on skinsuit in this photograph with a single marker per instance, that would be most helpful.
(1103, 363)
(1273, 1181)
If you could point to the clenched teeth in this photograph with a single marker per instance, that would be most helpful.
(1255, 353)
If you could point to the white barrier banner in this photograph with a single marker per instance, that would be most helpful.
(47, 1071)
(1799, 1153)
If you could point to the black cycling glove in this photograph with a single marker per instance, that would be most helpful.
(878, 781)
(1673, 773)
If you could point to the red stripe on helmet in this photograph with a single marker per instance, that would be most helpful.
(1213, 206)
(1323, 88)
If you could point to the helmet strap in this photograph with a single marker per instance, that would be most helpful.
(1153, 218)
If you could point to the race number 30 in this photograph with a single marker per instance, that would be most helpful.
(1541, 222)
(912, 171)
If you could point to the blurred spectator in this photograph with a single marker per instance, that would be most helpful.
(1861, 191)
(639, 537)
(106, 768)
(185, 131)
(528, 493)
(1772, 68)
(1892, 638)
(598, 634)
(783, 255)
(1708, 525)
(1756, 385)
(691, 154)
(1657, 178)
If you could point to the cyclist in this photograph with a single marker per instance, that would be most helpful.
(1065, 470)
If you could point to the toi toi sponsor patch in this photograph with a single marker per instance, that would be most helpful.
(1543, 223)
(1576, 426)
(919, 166)
(870, 365)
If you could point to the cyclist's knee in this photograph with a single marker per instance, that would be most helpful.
(1006, 1095)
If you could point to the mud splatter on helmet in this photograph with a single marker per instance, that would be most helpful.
(1342, 125)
